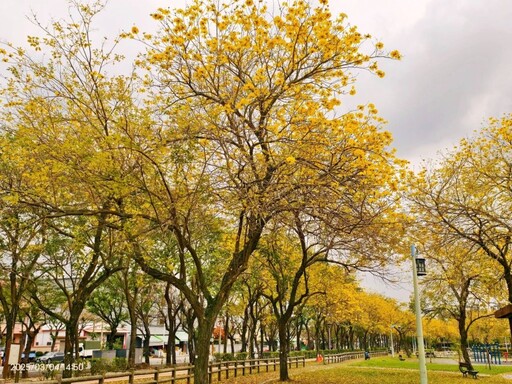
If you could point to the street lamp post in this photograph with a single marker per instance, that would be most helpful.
(418, 268)
(392, 346)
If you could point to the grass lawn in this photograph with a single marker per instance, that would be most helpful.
(412, 363)
(385, 370)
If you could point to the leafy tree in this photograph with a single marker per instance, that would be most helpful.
(20, 244)
(108, 303)
(146, 309)
(72, 269)
(468, 195)
(61, 112)
(459, 281)
(172, 320)
(251, 297)
(131, 292)
(288, 261)
(31, 317)
(246, 101)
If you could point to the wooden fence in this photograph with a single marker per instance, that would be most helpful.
(184, 374)
(339, 357)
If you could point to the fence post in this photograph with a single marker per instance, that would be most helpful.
(227, 369)
(236, 368)
(210, 369)
(156, 375)
(173, 376)
(131, 377)
(102, 379)
(188, 375)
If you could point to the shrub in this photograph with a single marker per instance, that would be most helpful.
(100, 366)
(241, 355)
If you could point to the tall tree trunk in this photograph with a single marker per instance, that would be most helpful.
(147, 338)
(262, 340)
(71, 340)
(9, 328)
(133, 329)
(464, 339)
(299, 326)
(284, 349)
(111, 337)
(243, 332)
(232, 343)
(170, 353)
(226, 332)
(202, 348)
(192, 340)
(30, 335)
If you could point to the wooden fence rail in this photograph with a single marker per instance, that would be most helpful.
(339, 357)
(184, 373)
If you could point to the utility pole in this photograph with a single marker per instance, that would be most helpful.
(418, 268)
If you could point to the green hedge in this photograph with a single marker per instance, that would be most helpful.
(100, 366)
(230, 356)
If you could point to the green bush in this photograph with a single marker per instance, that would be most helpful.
(217, 356)
(228, 357)
(119, 364)
(100, 366)
(241, 355)
(49, 371)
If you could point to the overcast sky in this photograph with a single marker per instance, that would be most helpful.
(456, 70)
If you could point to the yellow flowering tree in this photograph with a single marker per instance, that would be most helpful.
(246, 100)
(466, 197)
(62, 122)
(233, 129)
(459, 284)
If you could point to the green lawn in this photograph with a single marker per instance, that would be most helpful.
(374, 375)
(381, 370)
(412, 363)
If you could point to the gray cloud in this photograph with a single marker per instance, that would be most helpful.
(454, 75)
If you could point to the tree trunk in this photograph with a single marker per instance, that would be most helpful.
(192, 341)
(133, 334)
(232, 343)
(71, 341)
(243, 332)
(226, 332)
(262, 341)
(29, 339)
(299, 331)
(111, 337)
(284, 349)
(147, 338)
(351, 338)
(9, 326)
(510, 327)
(252, 330)
(464, 340)
(170, 357)
(202, 349)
